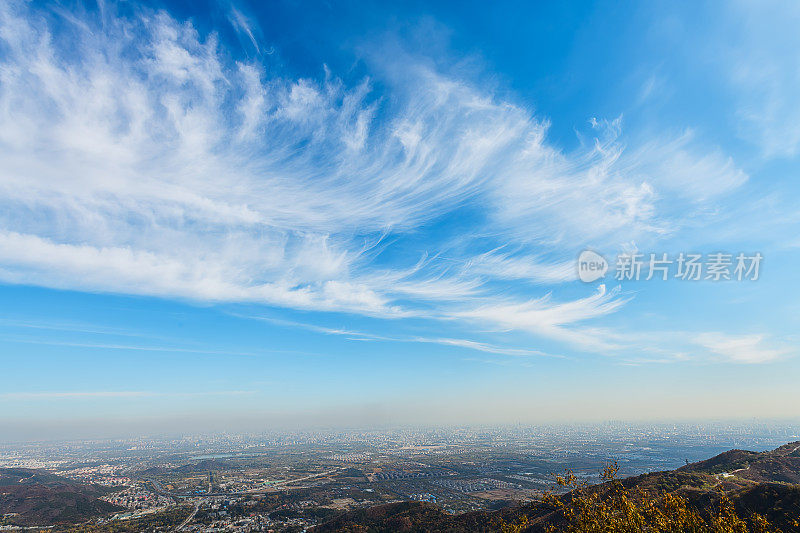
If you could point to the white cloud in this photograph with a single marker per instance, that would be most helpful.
(677, 167)
(145, 159)
(243, 25)
(763, 66)
(131, 347)
(93, 395)
(550, 319)
(506, 265)
(72, 395)
(740, 348)
(485, 347)
(363, 336)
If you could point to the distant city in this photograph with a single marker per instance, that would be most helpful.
(293, 481)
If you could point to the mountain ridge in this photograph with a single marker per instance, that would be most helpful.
(764, 483)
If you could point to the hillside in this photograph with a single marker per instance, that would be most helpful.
(36, 497)
(763, 483)
(781, 465)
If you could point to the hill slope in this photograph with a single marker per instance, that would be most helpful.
(764, 483)
(36, 497)
(781, 465)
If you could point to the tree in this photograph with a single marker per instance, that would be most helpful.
(613, 508)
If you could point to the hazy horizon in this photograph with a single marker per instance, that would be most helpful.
(76, 430)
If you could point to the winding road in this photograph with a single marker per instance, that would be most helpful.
(188, 518)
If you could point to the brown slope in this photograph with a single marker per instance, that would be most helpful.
(37, 497)
(761, 483)
(781, 465)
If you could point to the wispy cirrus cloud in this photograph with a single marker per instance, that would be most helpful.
(118, 346)
(763, 68)
(486, 347)
(74, 395)
(146, 158)
(244, 26)
(555, 320)
(93, 395)
(365, 336)
(756, 348)
(514, 266)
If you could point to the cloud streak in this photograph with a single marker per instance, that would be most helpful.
(94, 395)
(747, 349)
(147, 158)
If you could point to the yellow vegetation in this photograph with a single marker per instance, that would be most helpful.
(617, 509)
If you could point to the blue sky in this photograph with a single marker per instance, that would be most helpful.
(235, 214)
